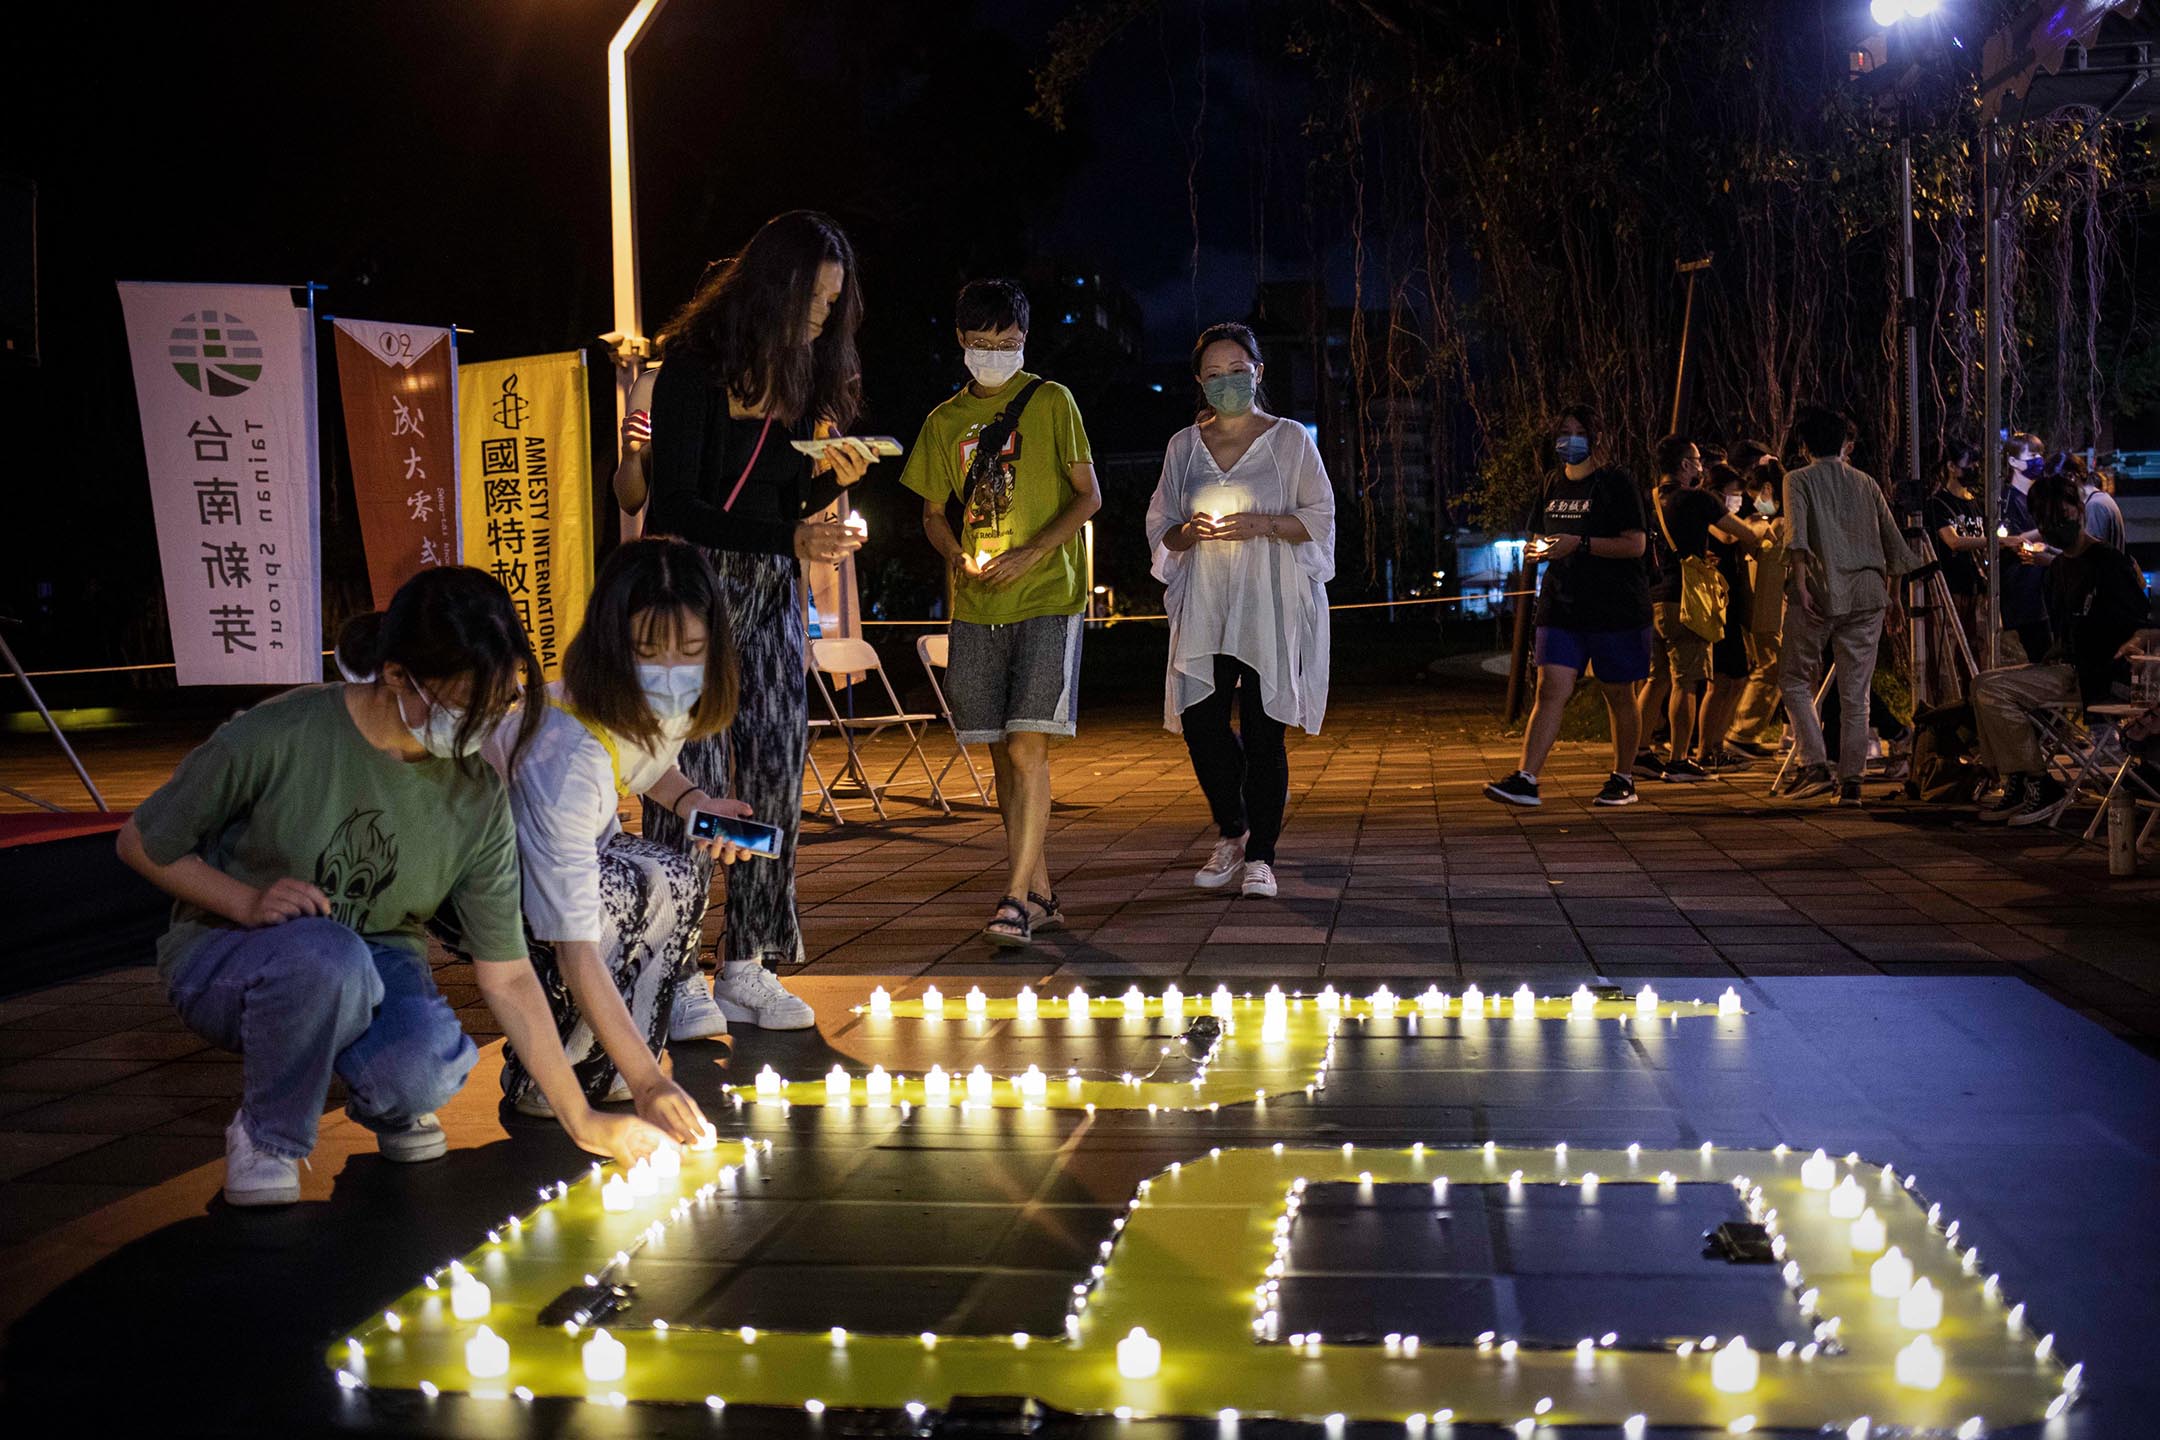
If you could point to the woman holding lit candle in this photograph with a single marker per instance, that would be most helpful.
(763, 352)
(615, 919)
(1243, 529)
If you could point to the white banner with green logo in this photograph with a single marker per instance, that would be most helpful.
(225, 381)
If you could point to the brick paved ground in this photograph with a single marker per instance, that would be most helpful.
(1392, 867)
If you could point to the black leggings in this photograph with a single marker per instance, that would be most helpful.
(1245, 775)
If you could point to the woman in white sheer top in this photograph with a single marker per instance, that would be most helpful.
(1243, 530)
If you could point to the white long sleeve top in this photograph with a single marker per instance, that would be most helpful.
(1263, 602)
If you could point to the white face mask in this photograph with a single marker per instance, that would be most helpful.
(1732, 504)
(671, 693)
(438, 733)
(992, 368)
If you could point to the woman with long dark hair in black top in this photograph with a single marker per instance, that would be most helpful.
(762, 354)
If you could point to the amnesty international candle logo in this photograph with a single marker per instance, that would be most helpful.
(216, 353)
(525, 490)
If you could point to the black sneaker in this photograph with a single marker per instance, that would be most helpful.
(1750, 749)
(1648, 766)
(1619, 790)
(1517, 789)
(1729, 762)
(2043, 800)
(1848, 794)
(1684, 772)
(1811, 781)
(2008, 803)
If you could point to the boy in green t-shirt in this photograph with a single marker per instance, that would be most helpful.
(1018, 576)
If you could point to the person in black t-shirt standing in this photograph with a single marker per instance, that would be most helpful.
(1683, 515)
(1593, 610)
(1954, 524)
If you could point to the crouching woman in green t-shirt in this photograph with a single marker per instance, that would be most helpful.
(305, 845)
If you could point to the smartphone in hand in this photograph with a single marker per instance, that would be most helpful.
(752, 836)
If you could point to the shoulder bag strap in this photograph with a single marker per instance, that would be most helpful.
(990, 441)
(755, 451)
(606, 738)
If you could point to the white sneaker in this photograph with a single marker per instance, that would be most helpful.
(1222, 866)
(421, 1140)
(749, 994)
(695, 1016)
(256, 1177)
(1259, 878)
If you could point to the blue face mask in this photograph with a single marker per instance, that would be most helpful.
(438, 733)
(1572, 449)
(1231, 394)
(671, 693)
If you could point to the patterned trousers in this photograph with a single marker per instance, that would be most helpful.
(762, 752)
(652, 903)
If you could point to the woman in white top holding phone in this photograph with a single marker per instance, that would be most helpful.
(616, 918)
(1243, 530)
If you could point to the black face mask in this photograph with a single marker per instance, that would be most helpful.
(2060, 531)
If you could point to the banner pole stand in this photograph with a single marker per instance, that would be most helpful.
(8, 654)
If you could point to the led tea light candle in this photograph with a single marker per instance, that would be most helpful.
(978, 1004)
(487, 1355)
(642, 1180)
(937, 1086)
(982, 558)
(1847, 1200)
(1135, 1004)
(838, 1084)
(1473, 1002)
(1033, 1085)
(1920, 1364)
(1525, 1002)
(1892, 1275)
(615, 1194)
(1729, 1002)
(859, 525)
(1583, 1002)
(667, 1163)
(470, 1298)
(604, 1356)
(1818, 1172)
(878, 1085)
(769, 1083)
(933, 1003)
(1139, 1355)
(1026, 1004)
(881, 1004)
(1735, 1369)
(1173, 1005)
(1077, 1002)
(1329, 1000)
(1869, 1234)
(1222, 1002)
(1921, 1307)
(1383, 1001)
(980, 1087)
(1646, 1001)
(1432, 1001)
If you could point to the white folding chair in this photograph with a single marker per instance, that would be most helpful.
(843, 657)
(817, 772)
(935, 653)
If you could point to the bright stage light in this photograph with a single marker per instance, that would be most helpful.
(1887, 12)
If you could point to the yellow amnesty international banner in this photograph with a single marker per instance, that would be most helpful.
(525, 489)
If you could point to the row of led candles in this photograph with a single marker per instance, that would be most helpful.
(1433, 1001)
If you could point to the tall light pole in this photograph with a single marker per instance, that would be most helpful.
(626, 342)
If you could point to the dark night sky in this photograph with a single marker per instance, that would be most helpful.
(447, 163)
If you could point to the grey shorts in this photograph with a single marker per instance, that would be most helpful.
(1006, 678)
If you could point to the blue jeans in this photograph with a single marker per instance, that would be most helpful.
(309, 998)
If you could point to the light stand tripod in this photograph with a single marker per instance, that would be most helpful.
(7, 655)
(1932, 611)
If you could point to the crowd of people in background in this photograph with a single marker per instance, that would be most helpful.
(1733, 591)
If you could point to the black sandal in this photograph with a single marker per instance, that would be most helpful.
(1052, 917)
(1009, 928)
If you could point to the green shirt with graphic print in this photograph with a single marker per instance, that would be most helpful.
(1001, 516)
(292, 788)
